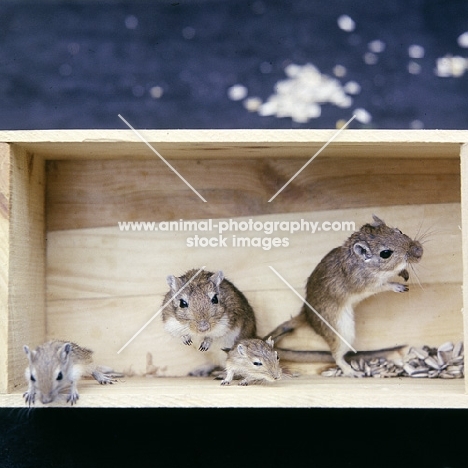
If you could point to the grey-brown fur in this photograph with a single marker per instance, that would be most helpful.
(56, 366)
(209, 313)
(347, 275)
(253, 359)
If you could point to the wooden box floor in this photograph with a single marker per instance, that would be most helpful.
(298, 392)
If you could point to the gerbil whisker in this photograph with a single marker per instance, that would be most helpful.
(419, 229)
(428, 234)
(413, 269)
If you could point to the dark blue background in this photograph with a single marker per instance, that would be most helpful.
(78, 65)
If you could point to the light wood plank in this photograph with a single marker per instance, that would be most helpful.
(26, 272)
(302, 392)
(4, 261)
(106, 262)
(98, 193)
(464, 220)
(429, 316)
(239, 144)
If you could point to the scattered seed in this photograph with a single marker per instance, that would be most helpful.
(420, 353)
(346, 23)
(445, 362)
(237, 92)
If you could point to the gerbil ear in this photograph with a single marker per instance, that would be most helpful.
(173, 283)
(28, 352)
(241, 349)
(361, 249)
(217, 277)
(64, 352)
(270, 342)
(377, 221)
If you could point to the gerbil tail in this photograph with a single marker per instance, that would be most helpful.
(304, 356)
(286, 327)
(372, 354)
(325, 356)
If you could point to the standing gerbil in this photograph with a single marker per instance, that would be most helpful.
(205, 309)
(253, 359)
(58, 365)
(361, 267)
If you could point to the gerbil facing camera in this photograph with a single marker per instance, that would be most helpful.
(253, 359)
(363, 266)
(56, 366)
(207, 311)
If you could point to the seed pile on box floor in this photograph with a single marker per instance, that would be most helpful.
(444, 362)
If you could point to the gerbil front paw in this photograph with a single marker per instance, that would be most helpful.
(73, 398)
(29, 398)
(399, 288)
(205, 344)
(225, 382)
(102, 378)
(244, 382)
(187, 340)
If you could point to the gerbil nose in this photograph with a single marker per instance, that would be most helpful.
(203, 326)
(415, 250)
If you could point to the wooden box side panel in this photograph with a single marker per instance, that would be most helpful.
(23, 306)
(464, 216)
(4, 261)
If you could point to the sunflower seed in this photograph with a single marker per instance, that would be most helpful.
(409, 369)
(455, 360)
(458, 349)
(431, 362)
(355, 365)
(445, 362)
(419, 352)
(331, 372)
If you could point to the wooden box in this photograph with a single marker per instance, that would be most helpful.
(70, 271)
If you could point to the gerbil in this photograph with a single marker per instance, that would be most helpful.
(209, 312)
(58, 365)
(361, 267)
(253, 359)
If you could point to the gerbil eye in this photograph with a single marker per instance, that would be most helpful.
(386, 253)
(214, 299)
(59, 376)
(257, 363)
(33, 379)
(183, 304)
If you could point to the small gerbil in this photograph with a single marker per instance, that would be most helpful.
(208, 311)
(58, 365)
(361, 267)
(253, 359)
